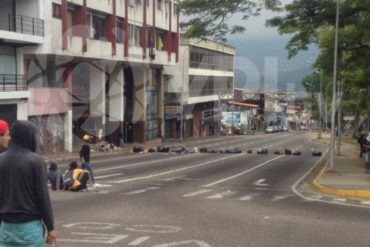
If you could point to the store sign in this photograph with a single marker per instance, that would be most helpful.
(173, 109)
(231, 118)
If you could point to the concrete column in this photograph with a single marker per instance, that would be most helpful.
(68, 134)
(22, 110)
(97, 91)
(140, 76)
(116, 107)
(161, 106)
(139, 111)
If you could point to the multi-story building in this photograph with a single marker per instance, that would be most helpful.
(196, 88)
(21, 25)
(91, 66)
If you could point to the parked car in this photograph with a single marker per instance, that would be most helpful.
(285, 129)
(269, 130)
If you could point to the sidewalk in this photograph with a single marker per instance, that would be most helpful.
(348, 179)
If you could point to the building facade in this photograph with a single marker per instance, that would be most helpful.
(196, 88)
(92, 67)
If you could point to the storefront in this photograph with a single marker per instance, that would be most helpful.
(51, 129)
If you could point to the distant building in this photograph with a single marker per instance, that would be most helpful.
(197, 87)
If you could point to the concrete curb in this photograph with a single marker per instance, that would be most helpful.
(358, 194)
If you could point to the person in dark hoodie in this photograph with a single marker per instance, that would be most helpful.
(24, 197)
(55, 177)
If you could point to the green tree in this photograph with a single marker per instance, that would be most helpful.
(208, 18)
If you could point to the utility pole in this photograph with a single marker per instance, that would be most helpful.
(332, 141)
(339, 142)
(319, 135)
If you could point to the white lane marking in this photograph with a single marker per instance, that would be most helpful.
(154, 229)
(261, 182)
(100, 186)
(222, 194)
(259, 188)
(365, 202)
(175, 178)
(339, 200)
(95, 238)
(279, 198)
(318, 197)
(177, 170)
(139, 241)
(196, 193)
(136, 192)
(243, 173)
(109, 176)
(183, 243)
(140, 164)
(248, 197)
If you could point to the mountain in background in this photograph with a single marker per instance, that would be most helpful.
(257, 59)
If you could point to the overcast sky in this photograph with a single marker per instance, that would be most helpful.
(256, 25)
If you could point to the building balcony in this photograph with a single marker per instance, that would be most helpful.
(21, 29)
(13, 87)
(10, 83)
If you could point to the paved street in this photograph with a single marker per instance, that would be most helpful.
(209, 200)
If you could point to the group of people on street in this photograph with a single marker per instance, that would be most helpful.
(26, 216)
(364, 141)
(75, 178)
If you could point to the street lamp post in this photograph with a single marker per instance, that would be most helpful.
(332, 141)
(320, 107)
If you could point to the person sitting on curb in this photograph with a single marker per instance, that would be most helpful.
(75, 179)
(55, 177)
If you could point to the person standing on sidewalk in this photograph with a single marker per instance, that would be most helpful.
(25, 205)
(4, 135)
(366, 148)
(85, 159)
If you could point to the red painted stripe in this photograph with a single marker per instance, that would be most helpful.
(144, 29)
(64, 13)
(170, 32)
(126, 29)
(85, 25)
(178, 36)
(154, 31)
(114, 22)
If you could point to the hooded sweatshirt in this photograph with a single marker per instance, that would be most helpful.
(24, 195)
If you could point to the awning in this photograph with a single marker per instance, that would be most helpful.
(245, 105)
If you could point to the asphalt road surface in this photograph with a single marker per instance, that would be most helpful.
(208, 200)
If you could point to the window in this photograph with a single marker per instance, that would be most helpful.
(207, 59)
(160, 39)
(160, 5)
(57, 11)
(119, 30)
(96, 26)
(131, 3)
(134, 37)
